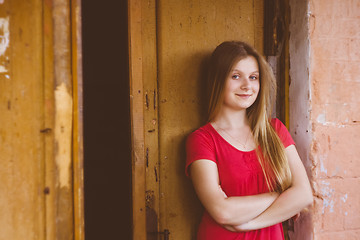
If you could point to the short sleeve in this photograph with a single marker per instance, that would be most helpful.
(282, 132)
(199, 145)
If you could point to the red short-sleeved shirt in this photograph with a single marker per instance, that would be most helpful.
(240, 174)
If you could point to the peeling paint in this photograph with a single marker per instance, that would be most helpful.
(322, 168)
(2, 69)
(328, 203)
(5, 37)
(63, 124)
(327, 194)
(344, 198)
(321, 118)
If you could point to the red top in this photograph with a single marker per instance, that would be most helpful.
(240, 174)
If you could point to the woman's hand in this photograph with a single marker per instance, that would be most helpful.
(296, 217)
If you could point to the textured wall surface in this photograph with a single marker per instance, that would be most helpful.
(333, 86)
(335, 117)
(300, 99)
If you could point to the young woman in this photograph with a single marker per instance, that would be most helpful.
(243, 165)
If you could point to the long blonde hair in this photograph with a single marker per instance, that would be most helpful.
(272, 156)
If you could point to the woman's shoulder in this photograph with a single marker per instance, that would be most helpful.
(277, 124)
(282, 132)
(204, 131)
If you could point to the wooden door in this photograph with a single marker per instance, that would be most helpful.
(169, 41)
(22, 172)
(40, 120)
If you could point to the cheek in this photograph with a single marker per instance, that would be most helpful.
(256, 87)
(230, 86)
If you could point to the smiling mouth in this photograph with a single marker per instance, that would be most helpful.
(243, 95)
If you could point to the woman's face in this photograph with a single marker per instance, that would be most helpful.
(243, 84)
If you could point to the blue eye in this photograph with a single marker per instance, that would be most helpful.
(235, 77)
(253, 77)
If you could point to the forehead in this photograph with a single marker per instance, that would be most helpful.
(248, 64)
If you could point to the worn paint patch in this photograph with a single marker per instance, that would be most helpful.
(4, 39)
(2, 69)
(2, 1)
(327, 194)
(4, 35)
(63, 133)
(322, 167)
(344, 198)
(321, 118)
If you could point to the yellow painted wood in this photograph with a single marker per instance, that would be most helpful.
(78, 151)
(187, 33)
(22, 201)
(58, 120)
(137, 118)
(49, 119)
(150, 100)
(167, 50)
(63, 120)
(36, 120)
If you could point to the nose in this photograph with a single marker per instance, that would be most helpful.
(245, 84)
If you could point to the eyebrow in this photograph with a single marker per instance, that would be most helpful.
(237, 70)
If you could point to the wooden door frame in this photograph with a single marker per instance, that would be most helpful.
(137, 118)
(78, 137)
(64, 183)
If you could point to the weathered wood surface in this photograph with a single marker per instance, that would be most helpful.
(63, 103)
(36, 120)
(167, 51)
(22, 200)
(187, 33)
(78, 141)
(137, 118)
(151, 140)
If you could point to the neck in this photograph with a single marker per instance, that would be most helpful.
(228, 118)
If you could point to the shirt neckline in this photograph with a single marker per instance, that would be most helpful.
(217, 133)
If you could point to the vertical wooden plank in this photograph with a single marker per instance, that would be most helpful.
(149, 66)
(63, 120)
(49, 119)
(137, 118)
(78, 152)
(259, 25)
(21, 123)
(184, 42)
(277, 50)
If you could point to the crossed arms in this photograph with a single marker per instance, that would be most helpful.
(247, 213)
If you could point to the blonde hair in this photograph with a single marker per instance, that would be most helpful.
(272, 156)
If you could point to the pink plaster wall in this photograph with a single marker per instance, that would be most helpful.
(335, 117)
(328, 124)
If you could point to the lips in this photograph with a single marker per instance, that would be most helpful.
(243, 95)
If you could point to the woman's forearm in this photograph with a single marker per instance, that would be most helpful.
(238, 210)
(288, 204)
(225, 210)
